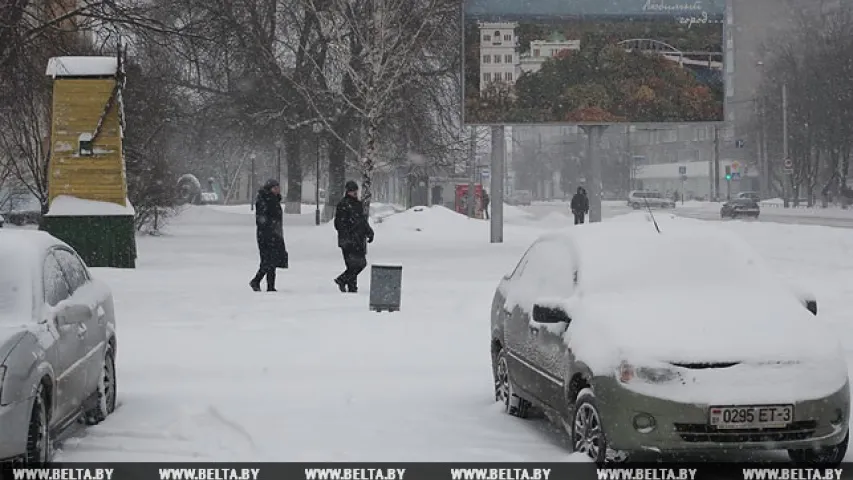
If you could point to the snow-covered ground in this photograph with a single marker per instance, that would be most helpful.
(209, 370)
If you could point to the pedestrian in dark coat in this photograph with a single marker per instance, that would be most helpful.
(580, 205)
(270, 235)
(486, 201)
(354, 233)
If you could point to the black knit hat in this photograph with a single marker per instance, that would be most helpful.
(351, 186)
(271, 183)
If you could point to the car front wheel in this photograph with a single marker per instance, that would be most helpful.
(587, 431)
(830, 456)
(38, 434)
(106, 391)
(504, 391)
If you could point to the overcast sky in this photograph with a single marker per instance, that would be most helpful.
(595, 7)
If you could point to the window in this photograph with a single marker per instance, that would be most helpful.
(508, 37)
(548, 271)
(508, 76)
(536, 52)
(497, 35)
(507, 58)
(73, 268)
(497, 59)
(487, 37)
(487, 59)
(487, 77)
(55, 287)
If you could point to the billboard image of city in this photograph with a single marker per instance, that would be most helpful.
(593, 61)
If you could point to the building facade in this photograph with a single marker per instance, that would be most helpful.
(500, 59)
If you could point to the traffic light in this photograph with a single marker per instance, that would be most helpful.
(728, 172)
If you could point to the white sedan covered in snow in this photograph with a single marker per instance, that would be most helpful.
(57, 344)
(635, 340)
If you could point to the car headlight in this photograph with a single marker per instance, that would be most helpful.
(629, 373)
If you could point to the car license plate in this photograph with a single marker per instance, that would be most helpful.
(753, 416)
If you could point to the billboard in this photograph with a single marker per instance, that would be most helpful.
(593, 62)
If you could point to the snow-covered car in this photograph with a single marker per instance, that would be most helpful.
(57, 344)
(680, 341)
(740, 207)
(638, 199)
(521, 197)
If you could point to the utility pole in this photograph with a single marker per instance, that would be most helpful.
(716, 180)
(497, 179)
(786, 194)
(629, 161)
(278, 162)
(252, 183)
(472, 158)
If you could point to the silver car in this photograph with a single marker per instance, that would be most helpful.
(57, 344)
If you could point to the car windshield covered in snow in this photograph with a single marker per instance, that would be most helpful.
(630, 257)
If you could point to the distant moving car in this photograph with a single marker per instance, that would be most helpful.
(740, 207)
(709, 352)
(638, 199)
(521, 197)
(750, 195)
(57, 344)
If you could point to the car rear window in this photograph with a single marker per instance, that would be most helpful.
(15, 290)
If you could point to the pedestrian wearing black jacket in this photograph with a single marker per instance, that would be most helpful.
(580, 205)
(354, 233)
(270, 235)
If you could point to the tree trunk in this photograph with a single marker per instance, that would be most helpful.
(293, 201)
(337, 176)
(368, 162)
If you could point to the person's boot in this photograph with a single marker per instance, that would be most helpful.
(255, 283)
(352, 287)
(271, 282)
(342, 286)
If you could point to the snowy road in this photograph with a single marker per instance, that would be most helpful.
(704, 211)
(209, 370)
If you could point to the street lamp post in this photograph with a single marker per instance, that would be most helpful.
(317, 127)
(252, 182)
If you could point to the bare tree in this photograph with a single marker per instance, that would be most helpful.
(379, 49)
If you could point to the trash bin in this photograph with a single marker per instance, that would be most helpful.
(385, 287)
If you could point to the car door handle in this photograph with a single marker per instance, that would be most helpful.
(81, 330)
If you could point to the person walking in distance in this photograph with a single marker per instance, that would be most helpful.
(354, 233)
(580, 205)
(486, 204)
(270, 235)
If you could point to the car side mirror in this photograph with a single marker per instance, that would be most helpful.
(73, 315)
(811, 305)
(543, 314)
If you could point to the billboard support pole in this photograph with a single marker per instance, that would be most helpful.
(472, 158)
(593, 136)
(497, 187)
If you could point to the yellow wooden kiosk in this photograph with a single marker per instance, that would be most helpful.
(87, 183)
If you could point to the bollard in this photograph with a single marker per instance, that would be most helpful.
(386, 282)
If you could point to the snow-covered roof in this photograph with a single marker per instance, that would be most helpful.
(68, 206)
(82, 66)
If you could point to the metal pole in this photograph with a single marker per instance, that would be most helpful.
(252, 184)
(785, 195)
(317, 185)
(471, 160)
(497, 197)
(716, 163)
(765, 155)
(682, 189)
(278, 164)
(593, 167)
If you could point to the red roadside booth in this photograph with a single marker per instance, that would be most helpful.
(462, 199)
